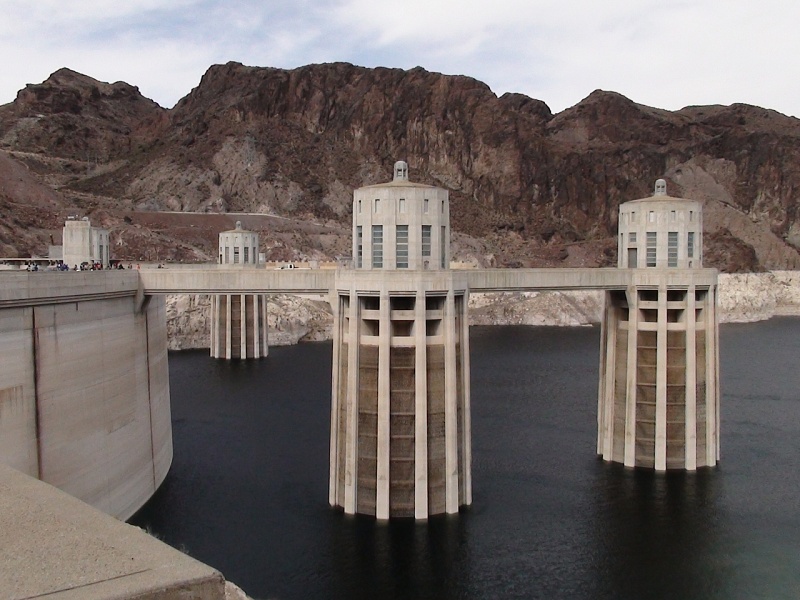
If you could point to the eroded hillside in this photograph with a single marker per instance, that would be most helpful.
(528, 188)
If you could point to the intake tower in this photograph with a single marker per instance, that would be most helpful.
(239, 321)
(658, 401)
(400, 415)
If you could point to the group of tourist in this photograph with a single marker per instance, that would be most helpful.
(86, 266)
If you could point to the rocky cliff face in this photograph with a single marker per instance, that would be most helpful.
(528, 188)
(290, 319)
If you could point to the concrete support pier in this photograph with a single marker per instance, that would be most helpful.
(658, 400)
(400, 417)
(239, 321)
(239, 326)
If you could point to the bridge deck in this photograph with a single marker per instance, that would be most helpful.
(23, 288)
(238, 280)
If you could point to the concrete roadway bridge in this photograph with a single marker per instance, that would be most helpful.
(227, 280)
(25, 289)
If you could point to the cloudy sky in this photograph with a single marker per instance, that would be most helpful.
(664, 53)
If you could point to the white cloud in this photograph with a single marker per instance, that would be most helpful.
(666, 54)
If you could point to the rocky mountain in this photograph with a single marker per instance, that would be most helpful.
(528, 188)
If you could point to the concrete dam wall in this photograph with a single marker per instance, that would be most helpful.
(84, 385)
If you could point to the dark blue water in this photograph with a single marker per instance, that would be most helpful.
(247, 492)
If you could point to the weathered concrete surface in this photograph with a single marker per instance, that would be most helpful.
(20, 288)
(223, 279)
(218, 279)
(84, 386)
(56, 547)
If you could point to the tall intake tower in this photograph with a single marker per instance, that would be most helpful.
(400, 417)
(239, 321)
(658, 400)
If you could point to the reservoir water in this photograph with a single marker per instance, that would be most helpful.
(247, 491)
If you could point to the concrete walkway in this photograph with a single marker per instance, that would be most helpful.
(56, 547)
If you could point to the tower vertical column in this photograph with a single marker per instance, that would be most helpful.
(336, 301)
(214, 326)
(264, 337)
(243, 326)
(351, 425)
(606, 398)
(451, 405)
(256, 328)
(631, 381)
(384, 416)
(420, 409)
(712, 373)
(228, 325)
(466, 410)
(690, 415)
(660, 441)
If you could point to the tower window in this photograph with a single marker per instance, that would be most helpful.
(246, 255)
(632, 237)
(236, 256)
(401, 246)
(443, 246)
(426, 240)
(401, 206)
(690, 245)
(359, 246)
(377, 246)
(377, 205)
(672, 249)
(425, 205)
(652, 240)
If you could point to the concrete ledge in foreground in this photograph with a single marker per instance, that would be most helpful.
(56, 547)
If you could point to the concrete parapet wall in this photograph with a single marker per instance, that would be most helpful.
(57, 547)
(21, 288)
(84, 388)
(499, 280)
(251, 280)
(228, 279)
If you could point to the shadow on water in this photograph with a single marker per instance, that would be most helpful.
(401, 559)
(657, 534)
(247, 492)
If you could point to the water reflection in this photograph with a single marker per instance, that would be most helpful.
(401, 559)
(656, 533)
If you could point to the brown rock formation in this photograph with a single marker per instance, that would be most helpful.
(527, 187)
